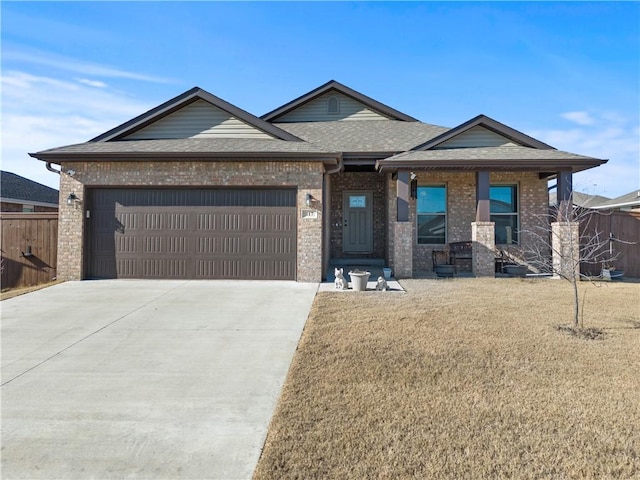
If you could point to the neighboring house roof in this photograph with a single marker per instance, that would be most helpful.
(580, 199)
(388, 136)
(333, 86)
(182, 100)
(499, 158)
(629, 200)
(17, 189)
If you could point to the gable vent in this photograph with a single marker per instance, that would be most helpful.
(333, 105)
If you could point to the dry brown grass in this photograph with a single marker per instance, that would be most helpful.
(468, 378)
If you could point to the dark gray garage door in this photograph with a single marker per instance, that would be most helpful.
(192, 233)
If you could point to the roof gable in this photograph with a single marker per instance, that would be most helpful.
(199, 119)
(482, 131)
(477, 136)
(202, 111)
(356, 106)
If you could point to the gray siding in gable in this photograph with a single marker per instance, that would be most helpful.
(477, 136)
(316, 111)
(198, 120)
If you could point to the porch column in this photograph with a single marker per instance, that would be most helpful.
(402, 196)
(483, 209)
(483, 230)
(564, 193)
(565, 246)
(402, 254)
(402, 249)
(483, 249)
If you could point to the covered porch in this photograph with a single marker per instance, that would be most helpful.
(491, 210)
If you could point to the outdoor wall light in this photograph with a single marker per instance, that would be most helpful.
(71, 198)
(308, 200)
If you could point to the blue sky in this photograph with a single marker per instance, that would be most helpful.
(565, 73)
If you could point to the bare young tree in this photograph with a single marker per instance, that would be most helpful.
(556, 246)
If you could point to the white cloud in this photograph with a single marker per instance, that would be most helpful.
(59, 62)
(92, 83)
(41, 112)
(609, 135)
(581, 118)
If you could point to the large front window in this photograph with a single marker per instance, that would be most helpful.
(504, 212)
(432, 214)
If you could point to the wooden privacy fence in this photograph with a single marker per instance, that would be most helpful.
(29, 248)
(624, 226)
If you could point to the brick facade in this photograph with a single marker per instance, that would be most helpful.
(484, 248)
(306, 176)
(394, 241)
(461, 208)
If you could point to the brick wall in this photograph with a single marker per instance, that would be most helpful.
(461, 208)
(306, 176)
(565, 238)
(483, 237)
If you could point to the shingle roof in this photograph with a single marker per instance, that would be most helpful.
(15, 187)
(631, 199)
(186, 146)
(364, 135)
(503, 157)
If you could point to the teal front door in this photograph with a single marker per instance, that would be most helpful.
(357, 227)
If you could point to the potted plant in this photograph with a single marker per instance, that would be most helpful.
(442, 264)
(359, 280)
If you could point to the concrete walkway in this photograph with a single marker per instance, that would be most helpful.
(145, 379)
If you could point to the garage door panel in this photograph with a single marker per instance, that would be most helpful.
(163, 268)
(127, 268)
(143, 234)
(270, 246)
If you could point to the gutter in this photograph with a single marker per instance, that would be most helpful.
(51, 169)
(337, 168)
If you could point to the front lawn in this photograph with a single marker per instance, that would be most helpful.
(464, 378)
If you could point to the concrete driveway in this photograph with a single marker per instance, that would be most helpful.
(145, 379)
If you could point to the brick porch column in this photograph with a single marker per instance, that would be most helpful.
(483, 249)
(402, 255)
(565, 245)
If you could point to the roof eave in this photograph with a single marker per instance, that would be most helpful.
(478, 165)
(59, 157)
(22, 201)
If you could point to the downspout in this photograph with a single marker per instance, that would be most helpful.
(326, 215)
(51, 169)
